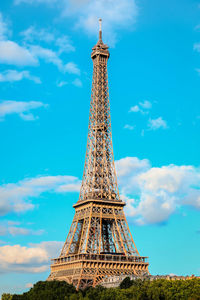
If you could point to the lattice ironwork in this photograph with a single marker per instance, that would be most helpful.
(99, 242)
(99, 228)
(99, 177)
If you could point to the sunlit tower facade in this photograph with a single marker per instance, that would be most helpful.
(99, 243)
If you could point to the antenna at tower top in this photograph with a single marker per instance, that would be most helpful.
(100, 29)
(100, 23)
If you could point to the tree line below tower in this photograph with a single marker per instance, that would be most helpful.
(160, 289)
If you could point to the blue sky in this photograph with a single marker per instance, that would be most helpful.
(45, 83)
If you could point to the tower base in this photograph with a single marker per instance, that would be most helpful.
(83, 270)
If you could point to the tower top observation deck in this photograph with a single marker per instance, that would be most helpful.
(100, 48)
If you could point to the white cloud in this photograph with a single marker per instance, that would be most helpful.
(134, 109)
(154, 194)
(77, 82)
(198, 71)
(128, 165)
(48, 55)
(10, 52)
(62, 83)
(155, 124)
(146, 104)
(20, 108)
(33, 34)
(51, 56)
(16, 197)
(24, 231)
(142, 107)
(69, 187)
(64, 44)
(13, 75)
(35, 2)
(13, 54)
(142, 132)
(33, 259)
(117, 15)
(72, 68)
(197, 47)
(28, 117)
(16, 230)
(4, 31)
(197, 27)
(129, 127)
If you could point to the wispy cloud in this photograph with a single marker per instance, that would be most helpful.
(134, 108)
(12, 53)
(142, 107)
(50, 56)
(154, 194)
(61, 83)
(24, 231)
(145, 104)
(16, 197)
(62, 42)
(129, 127)
(13, 75)
(20, 108)
(197, 27)
(35, 2)
(4, 30)
(72, 68)
(77, 82)
(198, 71)
(155, 124)
(117, 15)
(33, 34)
(197, 47)
(15, 230)
(47, 54)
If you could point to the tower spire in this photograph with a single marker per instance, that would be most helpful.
(100, 29)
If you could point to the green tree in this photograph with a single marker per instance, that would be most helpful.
(160, 289)
(126, 283)
(6, 297)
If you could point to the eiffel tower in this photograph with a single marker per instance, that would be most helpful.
(99, 243)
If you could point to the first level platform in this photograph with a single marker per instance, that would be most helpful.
(90, 269)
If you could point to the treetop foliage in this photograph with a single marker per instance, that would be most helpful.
(160, 289)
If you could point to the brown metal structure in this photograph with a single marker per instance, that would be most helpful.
(99, 242)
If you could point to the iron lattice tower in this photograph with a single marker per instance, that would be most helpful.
(99, 242)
